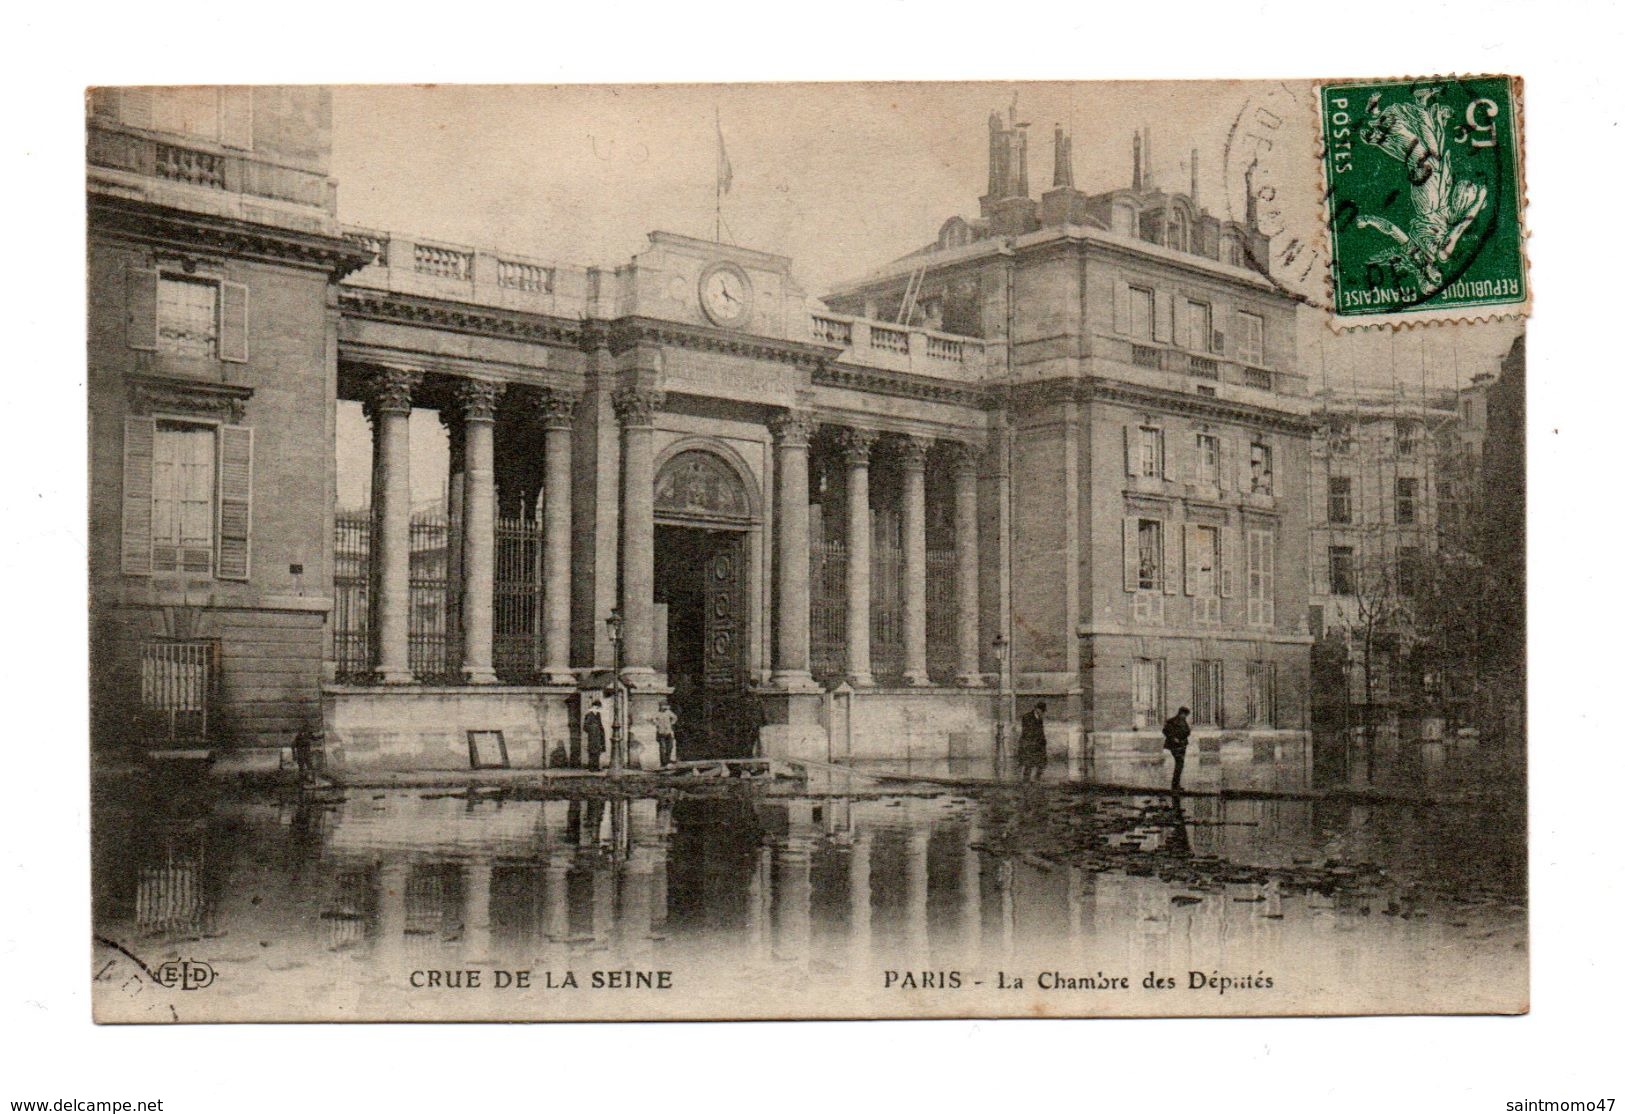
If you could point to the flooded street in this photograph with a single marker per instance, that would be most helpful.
(874, 899)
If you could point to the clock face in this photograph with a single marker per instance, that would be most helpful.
(725, 294)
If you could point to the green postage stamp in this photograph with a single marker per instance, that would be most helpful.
(1424, 199)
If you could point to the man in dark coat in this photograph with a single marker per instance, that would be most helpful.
(592, 725)
(1176, 735)
(1032, 751)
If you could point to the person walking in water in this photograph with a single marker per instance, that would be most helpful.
(665, 721)
(1176, 735)
(1033, 747)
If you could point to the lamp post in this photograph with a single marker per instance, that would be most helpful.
(1001, 651)
(617, 738)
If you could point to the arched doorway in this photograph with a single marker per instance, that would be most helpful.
(704, 517)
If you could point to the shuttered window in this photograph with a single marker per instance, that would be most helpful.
(187, 498)
(1263, 469)
(1139, 310)
(1249, 338)
(1207, 460)
(1261, 710)
(1261, 578)
(186, 316)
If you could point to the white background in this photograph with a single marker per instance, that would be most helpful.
(1567, 1048)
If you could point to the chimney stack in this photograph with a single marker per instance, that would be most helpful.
(1138, 180)
(1194, 198)
(1063, 158)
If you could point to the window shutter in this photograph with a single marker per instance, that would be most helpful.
(1162, 317)
(1228, 459)
(135, 107)
(1266, 578)
(1131, 464)
(1190, 558)
(1277, 486)
(1131, 555)
(1227, 557)
(1182, 324)
(1170, 583)
(136, 539)
(141, 307)
(236, 501)
(1173, 455)
(1321, 576)
(234, 322)
(237, 116)
(1122, 317)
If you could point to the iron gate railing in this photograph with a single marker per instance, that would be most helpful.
(516, 619)
(352, 596)
(941, 616)
(829, 608)
(178, 678)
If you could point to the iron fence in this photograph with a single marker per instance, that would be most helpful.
(352, 595)
(517, 601)
(828, 608)
(430, 635)
(941, 615)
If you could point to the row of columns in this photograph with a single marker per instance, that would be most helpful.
(855, 447)
(390, 405)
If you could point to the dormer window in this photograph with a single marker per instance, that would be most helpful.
(1176, 230)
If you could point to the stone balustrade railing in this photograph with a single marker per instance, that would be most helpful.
(201, 164)
(1177, 363)
(897, 348)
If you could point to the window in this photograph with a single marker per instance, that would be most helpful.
(1199, 326)
(183, 499)
(185, 315)
(1407, 570)
(188, 314)
(1340, 560)
(1147, 682)
(1260, 693)
(1339, 500)
(187, 498)
(1202, 561)
(1263, 471)
(1150, 451)
(1150, 555)
(1232, 251)
(1250, 342)
(1405, 500)
(1207, 692)
(1139, 311)
(1405, 438)
(1176, 230)
(1260, 578)
(1341, 436)
(1207, 459)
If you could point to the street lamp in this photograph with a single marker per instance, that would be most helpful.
(1001, 651)
(617, 738)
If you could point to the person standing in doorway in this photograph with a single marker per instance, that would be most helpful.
(1176, 735)
(665, 721)
(1033, 747)
(592, 725)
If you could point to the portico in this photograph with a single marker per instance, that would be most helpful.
(713, 485)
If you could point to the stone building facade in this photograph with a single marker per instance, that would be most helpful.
(214, 253)
(1054, 455)
(1155, 427)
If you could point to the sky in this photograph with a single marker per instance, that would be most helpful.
(842, 178)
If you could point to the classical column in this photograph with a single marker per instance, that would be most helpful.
(791, 432)
(911, 455)
(967, 580)
(478, 400)
(855, 446)
(392, 879)
(635, 407)
(390, 405)
(917, 888)
(556, 895)
(558, 417)
(970, 893)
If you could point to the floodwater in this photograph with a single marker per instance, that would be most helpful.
(735, 899)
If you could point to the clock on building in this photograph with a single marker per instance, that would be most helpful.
(725, 294)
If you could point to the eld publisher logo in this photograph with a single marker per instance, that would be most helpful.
(186, 974)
